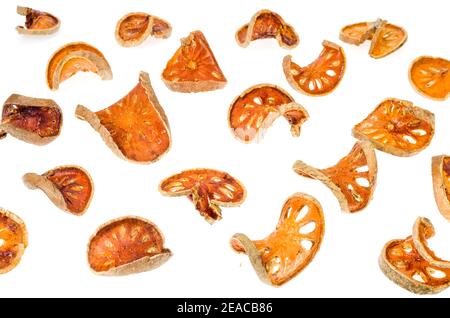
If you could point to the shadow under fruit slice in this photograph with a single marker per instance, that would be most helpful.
(70, 188)
(255, 110)
(193, 68)
(266, 24)
(207, 189)
(352, 179)
(430, 76)
(37, 22)
(128, 245)
(13, 240)
(320, 77)
(136, 127)
(34, 120)
(291, 247)
(397, 127)
(441, 183)
(73, 58)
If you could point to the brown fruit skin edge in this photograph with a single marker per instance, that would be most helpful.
(439, 187)
(378, 30)
(23, 30)
(22, 248)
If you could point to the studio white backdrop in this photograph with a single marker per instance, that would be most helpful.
(203, 264)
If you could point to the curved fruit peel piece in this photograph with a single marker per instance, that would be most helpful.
(136, 127)
(387, 39)
(440, 169)
(37, 22)
(358, 33)
(14, 239)
(430, 77)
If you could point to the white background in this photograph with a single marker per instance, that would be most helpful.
(203, 264)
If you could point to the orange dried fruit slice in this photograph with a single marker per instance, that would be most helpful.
(136, 127)
(358, 33)
(70, 188)
(37, 22)
(292, 246)
(430, 76)
(320, 77)
(255, 110)
(266, 24)
(193, 68)
(13, 240)
(352, 179)
(397, 127)
(440, 167)
(207, 189)
(73, 58)
(134, 28)
(127, 245)
(34, 120)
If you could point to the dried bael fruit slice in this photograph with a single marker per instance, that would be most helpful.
(134, 28)
(193, 68)
(440, 167)
(128, 245)
(320, 77)
(266, 24)
(73, 58)
(397, 127)
(136, 127)
(70, 188)
(292, 246)
(255, 110)
(13, 240)
(34, 120)
(37, 22)
(352, 179)
(207, 189)
(430, 76)
(358, 33)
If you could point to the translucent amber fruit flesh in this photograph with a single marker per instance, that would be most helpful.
(37, 20)
(431, 77)
(75, 65)
(387, 39)
(357, 33)
(13, 239)
(160, 27)
(134, 26)
(446, 175)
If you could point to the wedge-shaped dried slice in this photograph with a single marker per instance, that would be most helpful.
(440, 169)
(70, 188)
(358, 33)
(266, 24)
(292, 246)
(73, 58)
(13, 240)
(430, 76)
(255, 110)
(397, 127)
(136, 127)
(37, 22)
(34, 120)
(193, 68)
(134, 28)
(320, 77)
(207, 189)
(352, 179)
(127, 245)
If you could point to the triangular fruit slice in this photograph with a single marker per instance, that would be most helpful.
(207, 189)
(14, 240)
(387, 39)
(352, 179)
(397, 127)
(193, 68)
(136, 127)
(430, 76)
(441, 183)
(359, 32)
(292, 246)
(127, 245)
(320, 77)
(37, 22)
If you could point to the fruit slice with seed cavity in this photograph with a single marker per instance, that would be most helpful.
(387, 39)
(37, 22)
(440, 169)
(13, 240)
(359, 32)
(430, 76)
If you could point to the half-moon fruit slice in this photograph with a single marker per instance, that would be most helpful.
(34, 120)
(387, 39)
(358, 33)
(397, 127)
(70, 188)
(37, 22)
(193, 68)
(320, 77)
(127, 245)
(255, 110)
(136, 127)
(430, 76)
(73, 58)
(13, 240)
(352, 179)
(292, 246)
(207, 189)
(440, 169)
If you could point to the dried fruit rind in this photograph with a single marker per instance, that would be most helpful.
(37, 22)
(430, 76)
(358, 33)
(136, 127)
(125, 246)
(292, 246)
(440, 170)
(352, 179)
(13, 239)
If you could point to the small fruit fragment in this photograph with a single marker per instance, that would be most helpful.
(266, 24)
(127, 245)
(13, 240)
(359, 32)
(352, 179)
(292, 246)
(37, 22)
(193, 68)
(207, 189)
(320, 77)
(136, 127)
(430, 76)
(440, 169)
(397, 127)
